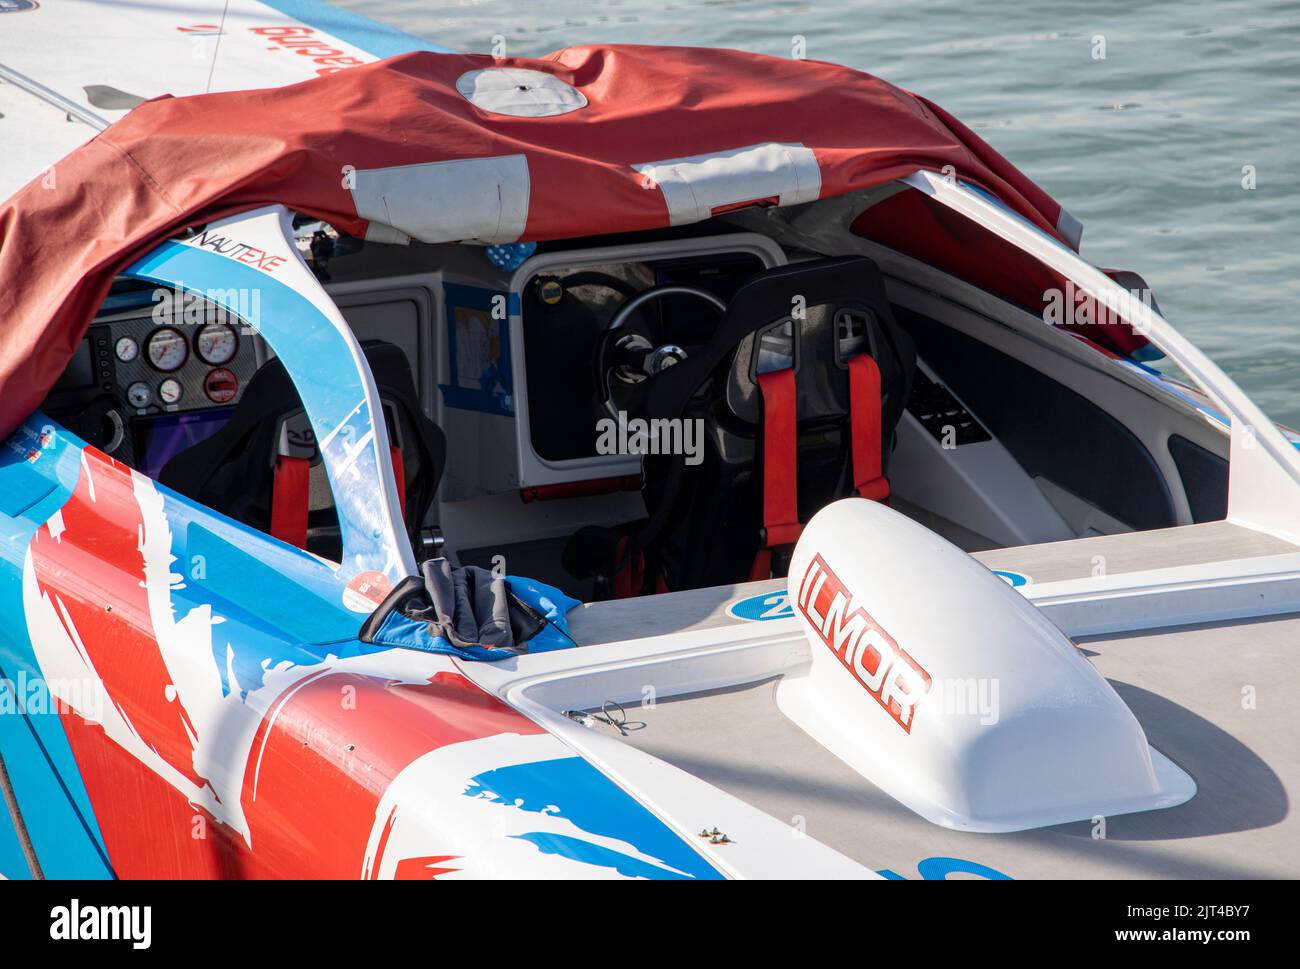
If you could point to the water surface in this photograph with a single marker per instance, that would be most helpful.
(1146, 145)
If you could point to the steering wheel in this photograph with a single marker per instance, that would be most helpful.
(630, 354)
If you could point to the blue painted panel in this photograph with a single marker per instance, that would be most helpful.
(44, 773)
(595, 804)
(378, 39)
(12, 863)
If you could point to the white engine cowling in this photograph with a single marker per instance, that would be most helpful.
(942, 685)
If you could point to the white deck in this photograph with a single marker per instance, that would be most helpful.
(1133, 552)
(1214, 698)
(1186, 688)
(59, 53)
(1136, 551)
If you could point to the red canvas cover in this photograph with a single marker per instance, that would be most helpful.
(174, 163)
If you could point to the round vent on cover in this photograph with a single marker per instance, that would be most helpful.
(519, 92)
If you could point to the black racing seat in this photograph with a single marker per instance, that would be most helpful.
(812, 323)
(235, 470)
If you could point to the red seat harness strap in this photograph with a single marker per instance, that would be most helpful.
(289, 494)
(780, 445)
(780, 478)
(865, 429)
(399, 477)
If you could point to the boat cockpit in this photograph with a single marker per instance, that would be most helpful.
(622, 416)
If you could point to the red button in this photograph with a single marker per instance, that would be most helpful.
(220, 385)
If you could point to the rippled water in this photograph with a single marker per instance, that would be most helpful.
(1146, 146)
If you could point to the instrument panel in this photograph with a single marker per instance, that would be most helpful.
(166, 367)
(141, 365)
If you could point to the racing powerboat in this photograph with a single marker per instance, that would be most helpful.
(635, 462)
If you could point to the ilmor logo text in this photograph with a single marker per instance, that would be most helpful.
(883, 669)
(94, 923)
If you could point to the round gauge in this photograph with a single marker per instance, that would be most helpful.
(220, 385)
(126, 349)
(139, 394)
(167, 349)
(216, 343)
(170, 391)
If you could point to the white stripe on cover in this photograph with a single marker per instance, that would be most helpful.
(693, 187)
(484, 199)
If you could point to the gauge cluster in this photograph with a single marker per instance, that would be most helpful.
(166, 367)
